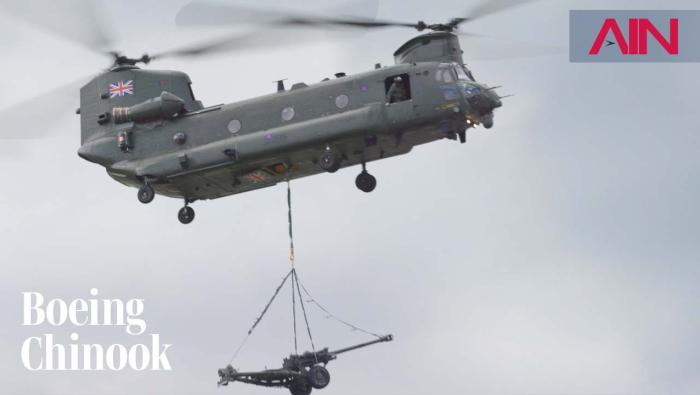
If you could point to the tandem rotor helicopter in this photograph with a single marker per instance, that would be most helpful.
(150, 132)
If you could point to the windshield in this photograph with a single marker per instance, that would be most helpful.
(462, 74)
(445, 74)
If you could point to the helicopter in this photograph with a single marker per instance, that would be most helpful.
(147, 129)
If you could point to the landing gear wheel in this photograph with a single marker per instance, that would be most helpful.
(318, 377)
(300, 387)
(146, 194)
(186, 215)
(329, 161)
(487, 121)
(462, 134)
(365, 182)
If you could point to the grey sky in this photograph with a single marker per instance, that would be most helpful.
(556, 253)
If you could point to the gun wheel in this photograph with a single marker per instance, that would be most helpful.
(300, 387)
(318, 377)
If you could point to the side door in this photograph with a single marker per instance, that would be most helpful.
(400, 107)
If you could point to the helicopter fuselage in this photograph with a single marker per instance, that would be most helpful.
(148, 130)
(228, 149)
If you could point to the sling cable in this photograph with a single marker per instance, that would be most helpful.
(300, 373)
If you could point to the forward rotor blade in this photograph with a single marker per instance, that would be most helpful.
(201, 13)
(75, 20)
(351, 22)
(479, 47)
(489, 7)
(208, 14)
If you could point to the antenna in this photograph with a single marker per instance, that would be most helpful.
(280, 85)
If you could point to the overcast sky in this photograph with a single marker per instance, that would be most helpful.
(556, 253)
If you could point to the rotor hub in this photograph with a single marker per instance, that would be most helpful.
(123, 60)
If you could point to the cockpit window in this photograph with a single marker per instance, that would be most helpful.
(444, 74)
(191, 91)
(462, 74)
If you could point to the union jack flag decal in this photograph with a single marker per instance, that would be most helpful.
(121, 88)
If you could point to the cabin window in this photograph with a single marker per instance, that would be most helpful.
(234, 126)
(288, 114)
(397, 88)
(342, 101)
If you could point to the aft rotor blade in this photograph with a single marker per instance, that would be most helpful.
(76, 20)
(200, 13)
(236, 42)
(37, 117)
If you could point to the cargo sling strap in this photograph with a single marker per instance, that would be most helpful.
(297, 288)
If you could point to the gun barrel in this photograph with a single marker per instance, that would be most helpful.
(382, 339)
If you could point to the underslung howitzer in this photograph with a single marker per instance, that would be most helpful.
(300, 372)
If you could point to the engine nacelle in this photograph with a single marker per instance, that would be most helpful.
(166, 106)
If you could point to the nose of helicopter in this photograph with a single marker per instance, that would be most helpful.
(494, 98)
(494, 102)
(482, 100)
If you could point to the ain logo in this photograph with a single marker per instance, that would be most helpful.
(639, 30)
